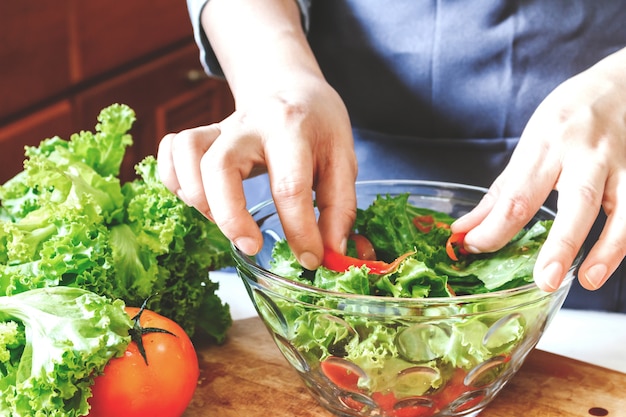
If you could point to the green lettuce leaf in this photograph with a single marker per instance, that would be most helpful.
(66, 219)
(356, 331)
(509, 267)
(53, 342)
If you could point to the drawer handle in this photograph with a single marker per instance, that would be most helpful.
(195, 75)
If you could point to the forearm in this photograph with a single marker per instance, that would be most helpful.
(260, 45)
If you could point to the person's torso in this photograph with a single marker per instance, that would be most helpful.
(441, 90)
(457, 69)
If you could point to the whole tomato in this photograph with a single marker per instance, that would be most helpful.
(160, 386)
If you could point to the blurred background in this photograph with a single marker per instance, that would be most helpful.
(62, 61)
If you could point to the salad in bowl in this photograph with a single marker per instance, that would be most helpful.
(405, 323)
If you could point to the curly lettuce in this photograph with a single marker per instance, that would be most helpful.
(53, 342)
(67, 220)
(326, 326)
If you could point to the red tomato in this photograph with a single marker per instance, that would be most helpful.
(388, 403)
(453, 390)
(162, 388)
(455, 242)
(340, 263)
(424, 223)
(415, 411)
(364, 248)
(340, 374)
(385, 401)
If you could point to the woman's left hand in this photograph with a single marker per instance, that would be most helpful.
(574, 143)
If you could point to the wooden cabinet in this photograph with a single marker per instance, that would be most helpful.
(55, 120)
(68, 59)
(151, 90)
(34, 52)
(110, 35)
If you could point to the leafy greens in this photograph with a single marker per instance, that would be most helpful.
(429, 272)
(53, 342)
(67, 220)
(382, 346)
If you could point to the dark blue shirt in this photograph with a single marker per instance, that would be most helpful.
(442, 89)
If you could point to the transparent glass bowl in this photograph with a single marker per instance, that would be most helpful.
(382, 356)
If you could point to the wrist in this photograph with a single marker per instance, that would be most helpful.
(260, 45)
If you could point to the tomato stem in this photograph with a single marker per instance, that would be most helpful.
(138, 331)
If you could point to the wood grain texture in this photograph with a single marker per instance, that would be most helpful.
(247, 376)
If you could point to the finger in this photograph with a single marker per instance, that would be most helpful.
(478, 213)
(188, 149)
(223, 168)
(290, 167)
(165, 164)
(514, 199)
(580, 186)
(336, 195)
(610, 249)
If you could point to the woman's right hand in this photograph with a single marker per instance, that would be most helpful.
(300, 134)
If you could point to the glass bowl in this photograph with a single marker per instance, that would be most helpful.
(399, 357)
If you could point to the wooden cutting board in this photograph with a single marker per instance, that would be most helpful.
(248, 377)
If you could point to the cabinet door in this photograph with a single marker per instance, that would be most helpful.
(110, 34)
(210, 102)
(34, 52)
(154, 91)
(55, 120)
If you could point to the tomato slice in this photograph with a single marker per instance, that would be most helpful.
(341, 373)
(424, 223)
(338, 262)
(385, 400)
(454, 243)
(389, 404)
(364, 248)
(442, 225)
(453, 389)
(415, 411)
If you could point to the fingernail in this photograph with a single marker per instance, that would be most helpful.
(309, 260)
(595, 275)
(247, 245)
(552, 275)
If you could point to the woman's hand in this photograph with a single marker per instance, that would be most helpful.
(302, 137)
(575, 143)
(288, 122)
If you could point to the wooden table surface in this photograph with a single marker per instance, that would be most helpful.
(248, 377)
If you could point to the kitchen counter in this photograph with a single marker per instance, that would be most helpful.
(594, 337)
(248, 376)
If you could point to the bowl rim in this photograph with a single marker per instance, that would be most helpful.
(300, 286)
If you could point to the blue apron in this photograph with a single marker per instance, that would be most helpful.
(441, 90)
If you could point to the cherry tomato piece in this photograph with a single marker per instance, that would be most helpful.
(454, 243)
(424, 223)
(340, 374)
(364, 248)
(338, 262)
(389, 404)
